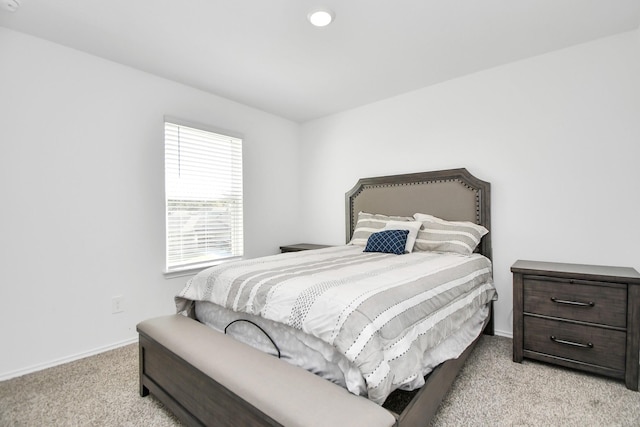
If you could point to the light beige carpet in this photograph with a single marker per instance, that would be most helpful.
(490, 391)
(100, 390)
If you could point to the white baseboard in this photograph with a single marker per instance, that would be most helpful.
(506, 334)
(35, 368)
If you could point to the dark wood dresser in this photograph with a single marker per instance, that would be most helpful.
(580, 316)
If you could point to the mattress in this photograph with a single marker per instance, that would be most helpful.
(373, 320)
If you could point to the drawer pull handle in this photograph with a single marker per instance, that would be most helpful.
(574, 303)
(575, 344)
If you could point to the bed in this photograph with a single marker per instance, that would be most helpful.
(251, 300)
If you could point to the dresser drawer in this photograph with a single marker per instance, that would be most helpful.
(588, 344)
(594, 302)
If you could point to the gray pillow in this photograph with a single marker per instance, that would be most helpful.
(439, 235)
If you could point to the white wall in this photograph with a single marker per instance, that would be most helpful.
(81, 196)
(558, 137)
(81, 177)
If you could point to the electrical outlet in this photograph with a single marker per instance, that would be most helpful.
(117, 304)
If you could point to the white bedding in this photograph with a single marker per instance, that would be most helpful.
(314, 355)
(383, 313)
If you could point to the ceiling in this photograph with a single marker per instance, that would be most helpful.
(265, 54)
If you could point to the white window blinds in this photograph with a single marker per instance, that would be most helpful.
(203, 186)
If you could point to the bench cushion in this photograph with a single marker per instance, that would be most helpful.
(290, 395)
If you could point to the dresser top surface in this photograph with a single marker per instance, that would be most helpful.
(595, 272)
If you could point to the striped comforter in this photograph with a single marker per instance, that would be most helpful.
(381, 311)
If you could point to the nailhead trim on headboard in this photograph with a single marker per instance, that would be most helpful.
(480, 188)
(434, 181)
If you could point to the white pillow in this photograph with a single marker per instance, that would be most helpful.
(412, 226)
(439, 235)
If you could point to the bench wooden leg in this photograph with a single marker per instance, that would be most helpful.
(144, 391)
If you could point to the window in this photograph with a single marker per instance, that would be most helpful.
(203, 188)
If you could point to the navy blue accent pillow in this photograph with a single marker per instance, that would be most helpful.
(388, 242)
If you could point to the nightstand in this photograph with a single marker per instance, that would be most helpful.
(301, 247)
(579, 316)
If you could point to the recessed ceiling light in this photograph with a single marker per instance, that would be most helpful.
(320, 18)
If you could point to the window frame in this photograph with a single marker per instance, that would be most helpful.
(190, 269)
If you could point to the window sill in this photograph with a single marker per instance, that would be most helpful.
(195, 269)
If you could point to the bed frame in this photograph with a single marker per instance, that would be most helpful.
(452, 194)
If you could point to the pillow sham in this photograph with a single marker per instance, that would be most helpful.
(387, 241)
(370, 223)
(412, 226)
(439, 235)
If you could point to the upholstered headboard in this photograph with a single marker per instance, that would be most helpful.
(453, 194)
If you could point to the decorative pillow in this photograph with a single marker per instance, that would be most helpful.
(439, 235)
(370, 223)
(388, 242)
(412, 226)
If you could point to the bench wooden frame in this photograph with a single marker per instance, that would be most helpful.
(214, 383)
(194, 394)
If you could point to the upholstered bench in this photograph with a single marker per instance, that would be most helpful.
(236, 385)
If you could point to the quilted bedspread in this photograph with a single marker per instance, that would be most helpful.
(381, 311)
